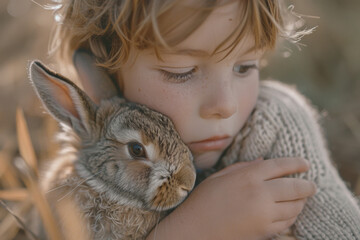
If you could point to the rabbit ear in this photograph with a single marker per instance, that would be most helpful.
(62, 98)
(96, 82)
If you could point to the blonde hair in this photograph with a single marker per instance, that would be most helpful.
(110, 28)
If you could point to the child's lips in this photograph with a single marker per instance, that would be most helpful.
(211, 144)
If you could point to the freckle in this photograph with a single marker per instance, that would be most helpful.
(139, 89)
(230, 19)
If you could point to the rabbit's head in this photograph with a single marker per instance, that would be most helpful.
(126, 150)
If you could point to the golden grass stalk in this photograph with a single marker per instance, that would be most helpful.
(41, 203)
(7, 172)
(14, 194)
(29, 175)
(24, 141)
(19, 221)
(8, 226)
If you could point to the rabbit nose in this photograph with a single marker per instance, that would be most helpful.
(186, 178)
(184, 191)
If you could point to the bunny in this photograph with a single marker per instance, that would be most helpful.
(123, 165)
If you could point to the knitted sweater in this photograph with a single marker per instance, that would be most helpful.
(283, 124)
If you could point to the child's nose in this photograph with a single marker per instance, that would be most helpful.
(219, 101)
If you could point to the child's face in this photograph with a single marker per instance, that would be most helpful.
(207, 99)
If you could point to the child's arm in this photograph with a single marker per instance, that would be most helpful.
(285, 125)
(243, 201)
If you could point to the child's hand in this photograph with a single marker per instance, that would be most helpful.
(243, 201)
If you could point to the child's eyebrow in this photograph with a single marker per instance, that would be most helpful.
(201, 53)
(251, 52)
(190, 52)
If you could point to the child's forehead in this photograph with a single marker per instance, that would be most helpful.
(219, 25)
(218, 28)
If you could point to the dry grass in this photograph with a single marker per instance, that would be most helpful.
(22, 190)
(21, 196)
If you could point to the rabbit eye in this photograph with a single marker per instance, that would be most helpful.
(136, 150)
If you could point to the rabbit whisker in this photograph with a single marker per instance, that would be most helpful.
(67, 194)
(55, 188)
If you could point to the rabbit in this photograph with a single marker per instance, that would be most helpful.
(122, 165)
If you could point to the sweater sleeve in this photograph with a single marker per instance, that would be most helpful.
(285, 125)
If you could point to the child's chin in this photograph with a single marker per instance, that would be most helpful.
(206, 160)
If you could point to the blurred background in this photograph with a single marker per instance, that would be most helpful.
(326, 70)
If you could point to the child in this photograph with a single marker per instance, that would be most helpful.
(197, 62)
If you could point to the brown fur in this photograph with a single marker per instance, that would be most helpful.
(117, 194)
(105, 218)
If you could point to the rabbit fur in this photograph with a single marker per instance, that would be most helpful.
(122, 165)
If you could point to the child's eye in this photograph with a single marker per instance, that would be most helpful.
(244, 69)
(178, 77)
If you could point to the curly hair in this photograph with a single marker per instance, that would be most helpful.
(109, 28)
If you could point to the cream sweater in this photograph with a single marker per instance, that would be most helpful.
(284, 124)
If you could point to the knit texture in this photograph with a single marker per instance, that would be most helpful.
(284, 124)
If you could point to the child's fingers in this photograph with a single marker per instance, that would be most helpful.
(279, 167)
(289, 189)
(234, 167)
(288, 210)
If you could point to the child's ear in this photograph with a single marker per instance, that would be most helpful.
(96, 82)
(63, 99)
